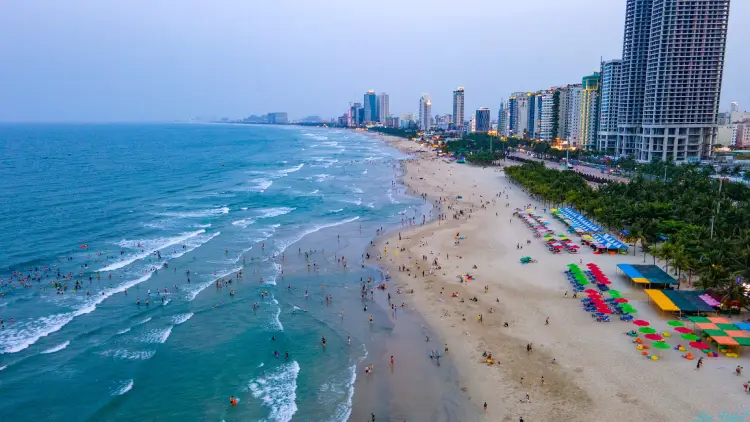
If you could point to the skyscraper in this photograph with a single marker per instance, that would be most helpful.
(513, 120)
(383, 107)
(502, 119)
(482, 120)
(589, 110)
(525, 113)
(548, 116)
(574, 115)
(371, 107)
(610, 95)
(425, 113)
(458, 108)
(671, 75)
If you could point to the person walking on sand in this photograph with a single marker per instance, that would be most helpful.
(699, 364)
(546, 321)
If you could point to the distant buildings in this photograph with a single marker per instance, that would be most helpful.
(458, 108)
(278, 118)
(425, 113)
(734, 107)
(573, 116)
(383, 111)
(482, 120)
(371, 107)
(356, 115)
(502, 119)
(548, 118)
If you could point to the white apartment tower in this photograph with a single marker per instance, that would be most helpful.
(425, 113)
(573, 117)
(671, 75)
(383, 107)
(548, 117)
(458, 108)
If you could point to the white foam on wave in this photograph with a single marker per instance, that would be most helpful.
(342, 410)
(126, 354)
(275, 212)
(144, 321)
(357, 201)
(390, 197)
(278, 391)
(335, 211)
(123, 388)
(157, 335)
(5, 366)
(56, 348)
(243, 223)
(316, 137)
(290, 170)
(320, 178)
(123, 331)
(198, 214)
(180, 318)
(276, 321)
(193, 293)
(148, 246)
(286, 243)
(261, 184)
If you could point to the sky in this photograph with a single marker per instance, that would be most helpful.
(145, 60)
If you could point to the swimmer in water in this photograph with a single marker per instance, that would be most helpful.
(323, 341)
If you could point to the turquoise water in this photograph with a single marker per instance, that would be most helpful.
(128, 209)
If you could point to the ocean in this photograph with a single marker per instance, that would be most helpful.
(126, 210)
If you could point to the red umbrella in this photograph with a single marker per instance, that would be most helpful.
(621, 300)
(654, 337)
(684, 330)
(604, 282)
(591, 291)
(641, 323)
(604, 310)
(699, 345)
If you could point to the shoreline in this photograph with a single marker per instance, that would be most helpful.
(597, 374)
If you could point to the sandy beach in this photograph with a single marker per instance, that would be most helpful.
(597, 375)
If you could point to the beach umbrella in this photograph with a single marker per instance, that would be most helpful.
(690, 337)
(614, 292)
(699, 345)
(683, 330)
(591, 291)
(660, 345)
(641, 323)
(654, 337)
(630, 311)
(647, 330)
(621, 300)
(675, 323)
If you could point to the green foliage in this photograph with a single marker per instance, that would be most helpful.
(401, 133)
(680, 207)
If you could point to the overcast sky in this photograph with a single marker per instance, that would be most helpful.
(146, 60)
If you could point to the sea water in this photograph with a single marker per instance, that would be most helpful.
(102, 202)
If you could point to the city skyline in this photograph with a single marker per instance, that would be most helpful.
(106, 71)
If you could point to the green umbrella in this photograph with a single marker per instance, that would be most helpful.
(647, 330)
(660, 345)
(614, 292)
(630, 311)
(675, 323)
(690, 337)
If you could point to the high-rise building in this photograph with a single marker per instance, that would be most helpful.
(425, 113)
(522, 118)
(502, 119)
(573, 117)
(513, 118)
(353, 117)
(671, 75)
(371, 107)
(383, 107)
(610, 95)
(562, 112)
(548, 115)
(482, 120)
(589, 110)
(278, 118)
(734, 107)
(458, 108)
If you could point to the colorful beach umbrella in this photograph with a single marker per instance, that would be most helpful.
(675, 323)
(614, 292)
(591, 291)
(641, 323)
(690, 337)
(660, 345)
(683, 330)
(647, 330)
(654, 337)
(699, 345)
(630, 311)
(621, 300)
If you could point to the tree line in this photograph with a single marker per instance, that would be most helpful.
(699, 225)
